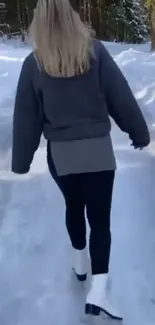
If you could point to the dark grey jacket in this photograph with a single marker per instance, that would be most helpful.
(72, 108)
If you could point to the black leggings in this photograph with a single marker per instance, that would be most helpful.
(93, 191)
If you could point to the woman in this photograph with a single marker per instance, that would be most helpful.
(68, 88)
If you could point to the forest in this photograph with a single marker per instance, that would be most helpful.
(113, 20)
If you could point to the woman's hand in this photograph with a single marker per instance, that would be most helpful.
(136, 146)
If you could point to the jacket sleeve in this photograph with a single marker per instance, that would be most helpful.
(27, 122)
(122, 105)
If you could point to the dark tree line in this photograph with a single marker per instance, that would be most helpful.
(119, 20)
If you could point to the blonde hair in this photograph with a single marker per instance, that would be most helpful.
(61, 41)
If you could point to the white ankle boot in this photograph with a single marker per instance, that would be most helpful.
(97, 299)
(80, 263)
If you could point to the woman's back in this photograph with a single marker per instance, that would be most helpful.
(74, 107)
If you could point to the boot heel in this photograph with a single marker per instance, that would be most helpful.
(92, 310)
(81, 278)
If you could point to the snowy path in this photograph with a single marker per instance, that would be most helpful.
(36, 282)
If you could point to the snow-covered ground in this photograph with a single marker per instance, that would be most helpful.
(36, 282)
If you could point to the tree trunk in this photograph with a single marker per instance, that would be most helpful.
(95, 16)
(20, 20)
(153, 26)
(88, 18)
(103, 20)
(27, 14)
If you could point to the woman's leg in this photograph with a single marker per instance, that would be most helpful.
(98, 192)
(71, 188)
(75, 207)
(75, 222)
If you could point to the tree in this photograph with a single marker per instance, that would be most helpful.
(150, 4)
(132, 14)
(120, 20)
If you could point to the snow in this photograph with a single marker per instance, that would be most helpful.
(36, 281)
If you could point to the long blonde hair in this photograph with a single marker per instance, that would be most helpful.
(61, 41)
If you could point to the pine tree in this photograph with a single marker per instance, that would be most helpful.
(137, 22)
(133, 15)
